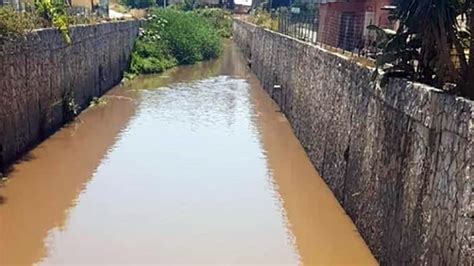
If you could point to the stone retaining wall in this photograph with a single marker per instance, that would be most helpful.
(41, 77)
(399, 158)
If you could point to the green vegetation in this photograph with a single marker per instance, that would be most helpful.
(54, 14)
(263, 18)
(14, 24)
(221, 19)
(185, 5)
(432, 45)
(98, 101)
(45, 13)
(70, 108)
(172, 37)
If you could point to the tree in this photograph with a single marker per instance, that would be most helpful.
(431, 44)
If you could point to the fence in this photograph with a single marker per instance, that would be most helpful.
(303, 26)
(343, 29)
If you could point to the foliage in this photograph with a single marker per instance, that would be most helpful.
(139, 3)
(430, 45)
(54, 14)
(151, 54)
(221, 19)
(185, 5)
(96, 101)
(263, 18)
(14, 24)
(173, 37)
(70, 107)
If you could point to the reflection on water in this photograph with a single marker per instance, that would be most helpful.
(192, 166)
(43, 188)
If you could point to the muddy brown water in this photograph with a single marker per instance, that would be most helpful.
(193, 166)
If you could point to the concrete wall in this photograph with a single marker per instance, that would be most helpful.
(399, 158)
(38, 75)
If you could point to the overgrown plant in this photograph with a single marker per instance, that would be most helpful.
(70, 107)
(173, 37)
(262, 17)
(185, 5)
(54, 14)
(14, 24)
(151, 54)
(220, 18)
(431, 45)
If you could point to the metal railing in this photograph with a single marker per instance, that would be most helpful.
(302, 26)
(345, 32)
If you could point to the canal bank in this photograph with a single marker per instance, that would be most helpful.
(44, 81)
(195, 166)
(398, 158)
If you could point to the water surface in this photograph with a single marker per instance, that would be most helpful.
(194, 166)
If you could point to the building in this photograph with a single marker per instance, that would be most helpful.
(100, 7)
(14, 3)
(242, 6)
(343, 23)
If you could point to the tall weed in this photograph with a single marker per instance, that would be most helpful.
(172, 37)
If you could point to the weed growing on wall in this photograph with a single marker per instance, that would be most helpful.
(172, 37)
(70, 107)
(54, 13)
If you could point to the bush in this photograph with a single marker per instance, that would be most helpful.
(151, 56)
(173, 37)
(221, 19)
(263, 18)
(185, 5)
(54, 14)
(14, 24)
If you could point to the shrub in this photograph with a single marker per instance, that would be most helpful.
(221, 19)
(264, 19)
(185, 5)
(190, 38)
(174, 37)
(151, 56)
(54, 14)
(14, 24)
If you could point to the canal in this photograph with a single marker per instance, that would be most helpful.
(193, 166)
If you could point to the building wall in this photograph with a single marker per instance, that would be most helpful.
(42, 76)
(399, 158)
(359, 14)
(84, 3)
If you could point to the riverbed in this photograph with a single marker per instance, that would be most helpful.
(192, 166)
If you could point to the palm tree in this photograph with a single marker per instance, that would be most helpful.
(430, 45)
